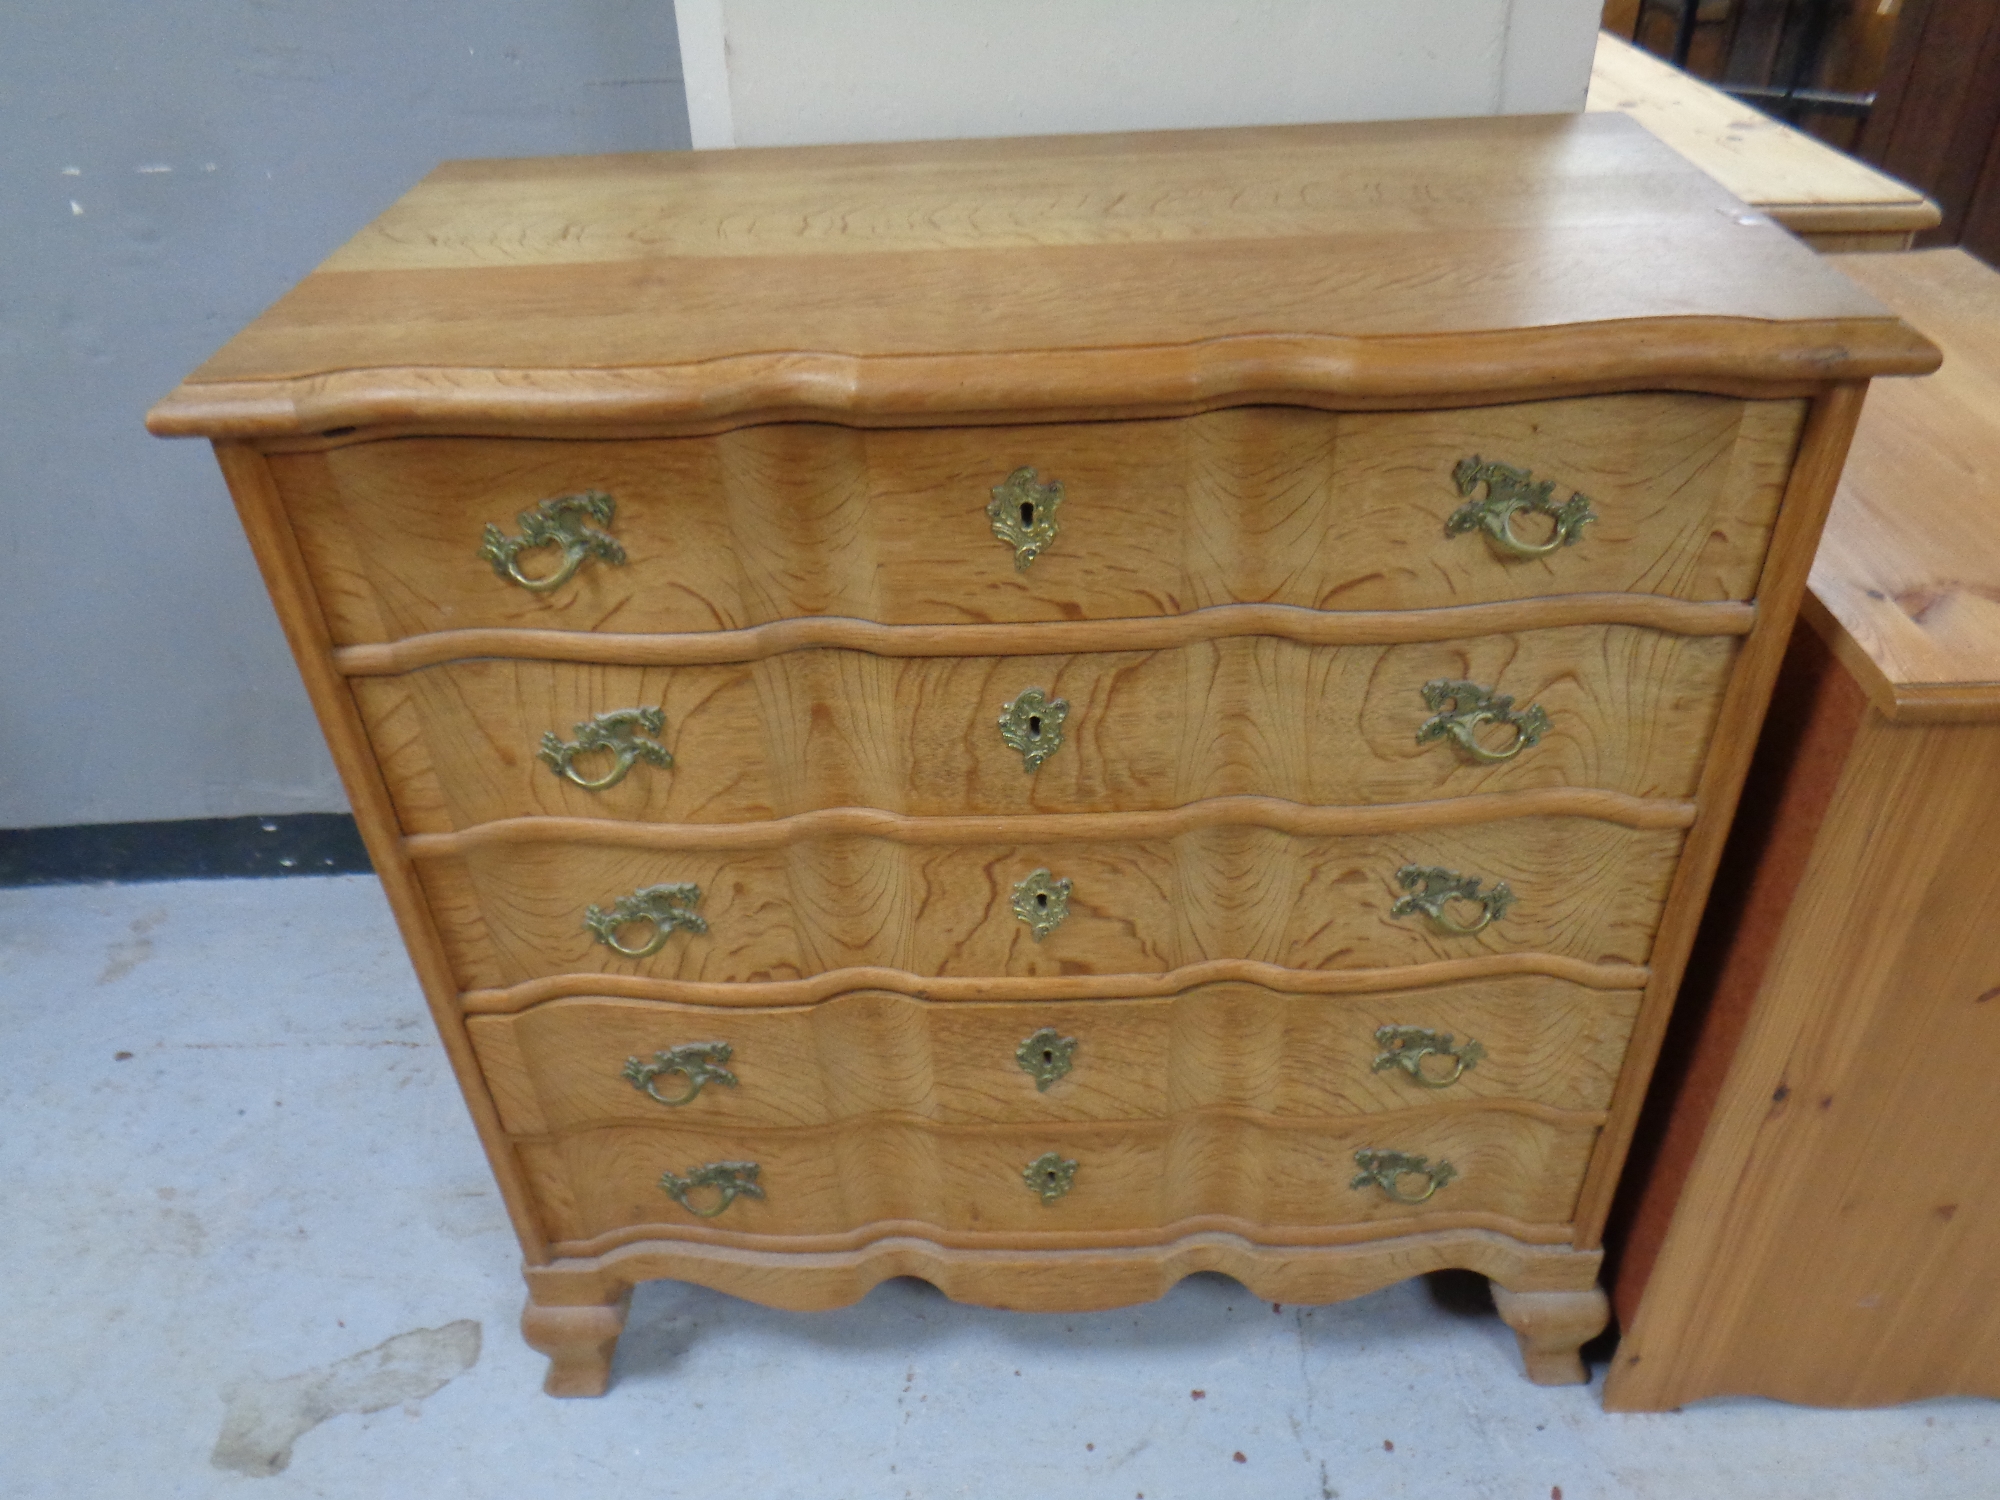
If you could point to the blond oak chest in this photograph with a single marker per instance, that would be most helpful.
(1050, 714)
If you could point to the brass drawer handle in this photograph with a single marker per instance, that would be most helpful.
(555, 523)
(1023, 513)
(619, 732)
(1042, 903)
(1033, 726)
(1459, 708)
(1509, 492)
(1045, 1056)
(1406, 1047)
(1387, 1169)
(730, 1179)
(698, 1063)
(1432, 889)
(664, 906)
(1049, 1176)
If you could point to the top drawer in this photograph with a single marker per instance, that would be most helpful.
(1255, 504)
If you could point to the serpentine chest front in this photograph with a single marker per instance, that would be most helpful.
(1050, 714)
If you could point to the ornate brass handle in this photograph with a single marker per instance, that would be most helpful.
(1509, 492)
(1045, 1056)
(1432, 889)
(698, 1063)
(1041, 902)
(1406, 1047)
(1033, 725)
(1387, 1169)
(665, 906)
(555, 523)
(1459, 708)
(619, 732)
(730, 1179)
(1023, 513)
(1049, 1176)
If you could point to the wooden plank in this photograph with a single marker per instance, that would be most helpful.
(580, 275)
(1908, 573)
(1804, 184)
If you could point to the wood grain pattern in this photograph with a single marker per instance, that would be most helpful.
(1110, 256)
(1216, 622)
(1132, 1175)
(1804, 184)
(1585, 889)
(1833, 1243)
(1250, 505)
(558, 1067)
(1908, 574)
(1631, 712)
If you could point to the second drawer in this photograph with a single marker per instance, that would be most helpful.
(1625, 708)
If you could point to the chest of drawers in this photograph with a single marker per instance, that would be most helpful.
(1052, 714)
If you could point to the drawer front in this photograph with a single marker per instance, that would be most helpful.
(1127, 1177)
(1583, 889)
(1259, 504)
(572, 1064)
(1627, 709)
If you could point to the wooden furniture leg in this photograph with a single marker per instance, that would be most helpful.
(579, 1340)
(1552, 1326)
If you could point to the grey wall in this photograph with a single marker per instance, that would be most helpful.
(166, 170)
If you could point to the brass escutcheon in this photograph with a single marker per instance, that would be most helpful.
(1406, 1047)
(1045, 1056)
(665, 906)
(1049, 1175)
(1432, 889)
(619, 732)
(1509, 492)
(1459, 708)
(1387, 1169)
(1033, 725)
(1042, 903)
(698, 1063)
(730, 1179)
(1023, 513)
(555, 523)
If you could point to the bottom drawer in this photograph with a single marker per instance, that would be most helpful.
(1510, 1164)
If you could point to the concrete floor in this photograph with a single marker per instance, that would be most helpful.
(251, 1248)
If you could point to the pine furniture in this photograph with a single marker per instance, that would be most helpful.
(1818, 1221)
(1050, 714)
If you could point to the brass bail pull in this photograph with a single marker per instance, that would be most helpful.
(1459, 709)
(624, 732)
(560, 523)
(1511, 492)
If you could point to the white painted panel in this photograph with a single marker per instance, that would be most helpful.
(805, 71)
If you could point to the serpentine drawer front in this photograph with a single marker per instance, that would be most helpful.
(1276, 505)
(1622, 708)
(1187, 730)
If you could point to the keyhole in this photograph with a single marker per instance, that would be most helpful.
(1034, 726)
(1027, 512)
(1048, 1054)
(1041, 900)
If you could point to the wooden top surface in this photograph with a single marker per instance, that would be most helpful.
(1062, 274)
(1803, 183)
(1907, 581)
